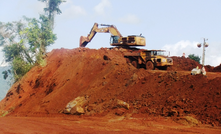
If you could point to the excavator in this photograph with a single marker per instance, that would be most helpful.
(149, 59)
(116, 38)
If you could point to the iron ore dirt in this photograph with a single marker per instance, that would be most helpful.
(160, 101)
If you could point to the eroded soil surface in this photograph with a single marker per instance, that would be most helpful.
(171, 101)
(91, 125)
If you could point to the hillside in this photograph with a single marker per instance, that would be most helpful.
(4, 84)
(103, 77)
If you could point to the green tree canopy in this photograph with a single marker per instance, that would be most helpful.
(194, 57)
(52, 9)
(24, 43)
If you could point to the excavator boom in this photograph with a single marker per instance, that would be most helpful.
(108, 29)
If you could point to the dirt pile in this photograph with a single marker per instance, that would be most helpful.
(183, 64)
(187, 64)
(103, 76)
(217, 69)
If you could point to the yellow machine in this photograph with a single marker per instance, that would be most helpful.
(116, 38)
(149, 59)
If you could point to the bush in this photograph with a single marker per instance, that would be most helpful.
(20, 68)
(194, 57)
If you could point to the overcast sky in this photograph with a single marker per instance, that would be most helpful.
(174, 25)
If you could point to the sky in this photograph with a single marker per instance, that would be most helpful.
(173, 25)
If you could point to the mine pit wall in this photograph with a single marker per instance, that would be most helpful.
(103, 76)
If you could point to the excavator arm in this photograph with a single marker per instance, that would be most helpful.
(107, 29)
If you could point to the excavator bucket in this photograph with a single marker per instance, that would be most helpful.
(83, 41)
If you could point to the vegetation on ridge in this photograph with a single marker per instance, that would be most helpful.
(194, 57)
(24, 42)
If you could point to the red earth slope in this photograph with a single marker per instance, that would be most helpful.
(103, 76)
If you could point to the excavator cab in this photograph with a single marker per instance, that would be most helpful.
(114, 39)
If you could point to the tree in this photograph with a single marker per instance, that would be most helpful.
(39, 34)
(10, 31)
(12, 48)
(9, 37)
(24, 43)
(52, 9)
(194, 57)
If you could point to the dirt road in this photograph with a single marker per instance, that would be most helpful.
(75, 125)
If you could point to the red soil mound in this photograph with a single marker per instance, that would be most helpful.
(183, 64)
(103, 76)
(217, 69)
(187, 64)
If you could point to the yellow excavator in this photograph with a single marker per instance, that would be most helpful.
(149, 59)
(116, 38)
